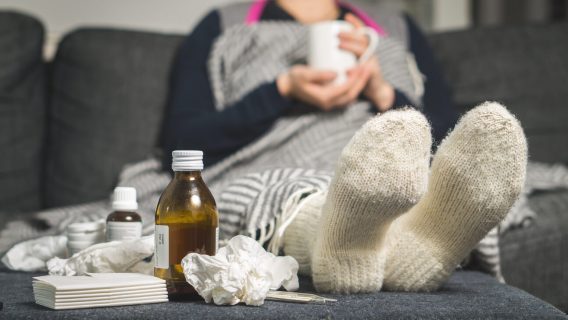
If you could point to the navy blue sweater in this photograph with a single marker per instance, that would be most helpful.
(192, 121)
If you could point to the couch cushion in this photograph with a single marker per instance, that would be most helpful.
(467, 295)
(525, 67)
(22, 112)
(109, 92)
(536, 258)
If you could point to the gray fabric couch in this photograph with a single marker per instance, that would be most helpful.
(68, 127)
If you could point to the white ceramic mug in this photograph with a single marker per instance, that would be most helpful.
(324, 52)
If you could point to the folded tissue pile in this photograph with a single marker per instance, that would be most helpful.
(242, 271)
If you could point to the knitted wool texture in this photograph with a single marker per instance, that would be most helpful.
(381, 174)
(300, 236)
(476, 176)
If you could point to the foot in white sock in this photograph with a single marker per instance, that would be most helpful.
(477, 174)
(381, 173)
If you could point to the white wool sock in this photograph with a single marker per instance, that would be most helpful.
(381, 173)
(477, 174)
(300, 235)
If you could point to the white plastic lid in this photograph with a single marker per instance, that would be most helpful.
(187, 160)
(124, 198)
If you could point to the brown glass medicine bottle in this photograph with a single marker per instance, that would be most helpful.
(186, 221)
(124, 223)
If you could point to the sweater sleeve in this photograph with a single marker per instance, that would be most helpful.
(193, 122)
(438, 106)
(400, 99)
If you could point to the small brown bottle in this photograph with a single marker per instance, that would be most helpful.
(124, 223)
(186, 221)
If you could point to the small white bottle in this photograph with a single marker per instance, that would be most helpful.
(124, 223)
(81, 235)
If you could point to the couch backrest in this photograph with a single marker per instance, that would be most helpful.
(525, 67)
(108, 93)
(109, 89)
(22, 112)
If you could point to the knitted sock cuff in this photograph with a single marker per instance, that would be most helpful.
(300, 236)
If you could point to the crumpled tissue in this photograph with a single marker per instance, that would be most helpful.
(242, 271)
(108, 257)
(31, 255)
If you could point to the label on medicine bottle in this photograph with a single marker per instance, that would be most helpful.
(162, 246)
(216, 240)
(118, 231)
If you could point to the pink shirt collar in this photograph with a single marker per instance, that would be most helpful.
(257, 7)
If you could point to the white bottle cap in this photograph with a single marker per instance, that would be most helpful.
(124, 198)
(187, 160)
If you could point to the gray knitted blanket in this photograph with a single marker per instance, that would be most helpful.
(296, 157)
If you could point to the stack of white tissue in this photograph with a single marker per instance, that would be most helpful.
(240, 272)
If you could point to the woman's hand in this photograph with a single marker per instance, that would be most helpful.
(376, 89)
(314, 87)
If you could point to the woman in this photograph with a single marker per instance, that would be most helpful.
(192, 105)
(273, 130)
